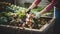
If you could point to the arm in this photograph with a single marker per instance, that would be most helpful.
(35, 3)
(47, 8)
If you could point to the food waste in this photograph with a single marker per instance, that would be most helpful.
(16, 16)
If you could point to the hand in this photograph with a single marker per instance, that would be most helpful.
(37, 15)
(28, 11)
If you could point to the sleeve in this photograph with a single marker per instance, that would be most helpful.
(37, 2)
(50, 5)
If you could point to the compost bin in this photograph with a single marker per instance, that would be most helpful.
(8, 19)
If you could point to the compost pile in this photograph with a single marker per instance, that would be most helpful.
(16, 16)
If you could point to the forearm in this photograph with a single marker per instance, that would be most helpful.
(34, 4)
(47, 8)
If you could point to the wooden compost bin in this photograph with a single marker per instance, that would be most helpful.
(19, 30)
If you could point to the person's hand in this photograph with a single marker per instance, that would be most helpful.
(28, 11)
(37, 15)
